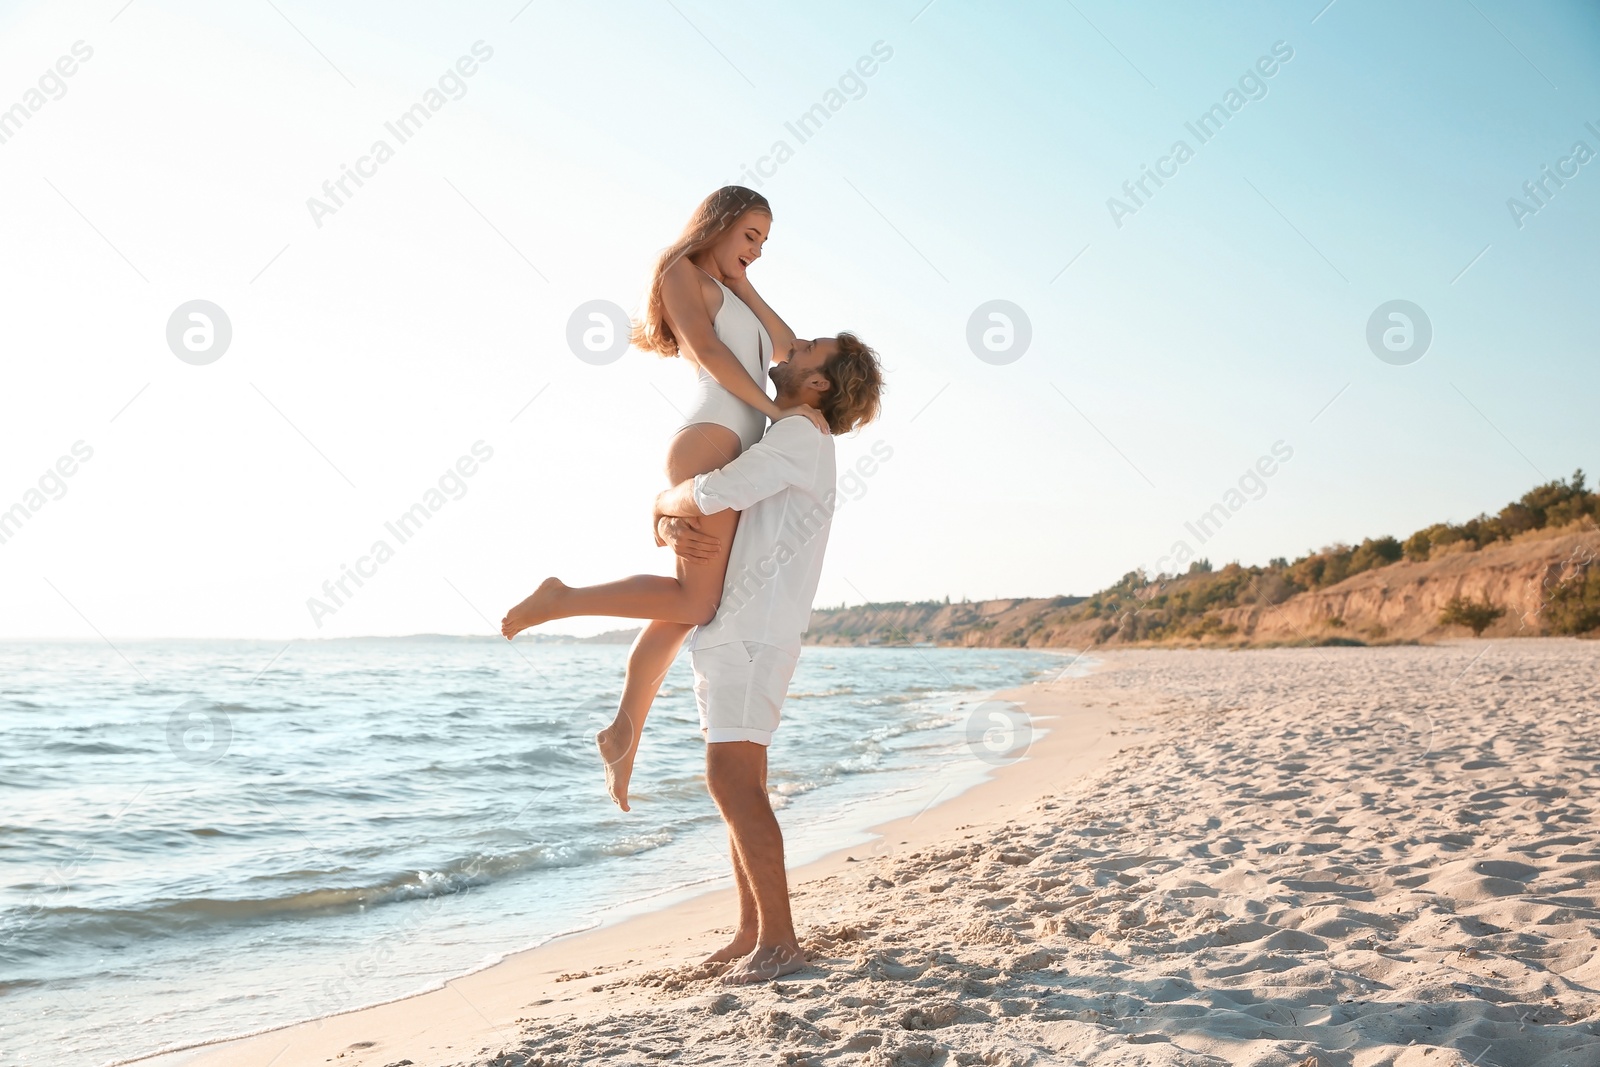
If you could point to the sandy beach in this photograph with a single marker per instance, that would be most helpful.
(1346, 857)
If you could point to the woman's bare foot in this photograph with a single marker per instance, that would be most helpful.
(765, 964)
(743, 944)
(617, 750)
(540, 606)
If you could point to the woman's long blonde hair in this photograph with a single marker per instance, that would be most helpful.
(714, 217)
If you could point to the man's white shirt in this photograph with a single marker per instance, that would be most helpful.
(783, 486)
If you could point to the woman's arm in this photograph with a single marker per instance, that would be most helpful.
(777, 329)
(691, 324)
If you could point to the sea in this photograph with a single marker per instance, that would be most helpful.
(201, 839)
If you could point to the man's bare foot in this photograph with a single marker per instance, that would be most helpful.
(765, 964)
(540, 606)
(742, 945)
(617, 750)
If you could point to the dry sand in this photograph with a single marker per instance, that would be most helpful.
(1343, 856)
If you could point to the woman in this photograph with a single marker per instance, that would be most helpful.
(702, 306)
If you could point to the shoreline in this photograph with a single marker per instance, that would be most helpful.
(479, 1007)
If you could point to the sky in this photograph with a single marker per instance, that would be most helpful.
(385, 342)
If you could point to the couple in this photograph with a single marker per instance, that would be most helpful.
(747, 517)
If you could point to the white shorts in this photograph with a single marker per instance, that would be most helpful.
(740, 688)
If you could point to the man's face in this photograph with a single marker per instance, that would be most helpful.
(803, 365)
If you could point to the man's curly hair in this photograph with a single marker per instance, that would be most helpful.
(856, 381)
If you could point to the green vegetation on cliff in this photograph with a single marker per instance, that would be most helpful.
(1438, 582)
(1144, 608)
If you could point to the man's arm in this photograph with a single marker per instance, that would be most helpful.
(678, 501)
(786, 456)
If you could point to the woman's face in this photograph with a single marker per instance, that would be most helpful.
(741, 245)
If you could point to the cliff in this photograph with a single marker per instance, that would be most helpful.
(983, 623)
(1402, 601)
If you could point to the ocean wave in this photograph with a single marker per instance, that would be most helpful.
(38, 930)
(544, 758)
(787, 791)
(231, 709)
(858, 764)
(633, 845)
(909, 695)
(91, 748)
(9, 984)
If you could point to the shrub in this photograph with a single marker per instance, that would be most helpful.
(1272, 588)
(1552, 504)
(1208, 625)
(1307, 571)
(1478, 614)
(1574, 607)
(1374, 553)
(1420, 543)
(1570, 511)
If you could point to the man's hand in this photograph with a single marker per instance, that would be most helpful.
(687, 539)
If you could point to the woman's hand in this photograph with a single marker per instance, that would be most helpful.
(817, 418)
(687, 540)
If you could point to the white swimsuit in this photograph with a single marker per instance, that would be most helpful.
(737, 327)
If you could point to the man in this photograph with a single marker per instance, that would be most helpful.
(783, 488)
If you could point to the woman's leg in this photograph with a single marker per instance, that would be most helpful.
(675, 604)
(648, 661)
(691, 452)
(641, 596)
(690, 598)
(653, 652)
